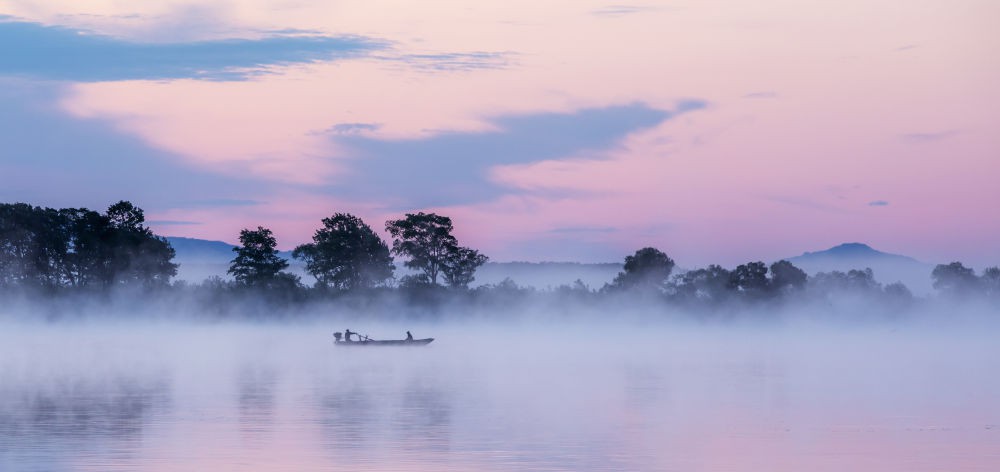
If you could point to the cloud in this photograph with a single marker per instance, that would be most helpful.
(453, 167)
(444, 62)
(52, 159)
(928, 137)
(878, 203)
(619, 10)
(61, 53)
(346, 129)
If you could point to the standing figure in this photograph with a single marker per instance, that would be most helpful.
(409, 337)
(347, 335)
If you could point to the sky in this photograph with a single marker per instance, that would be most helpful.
(717, 131)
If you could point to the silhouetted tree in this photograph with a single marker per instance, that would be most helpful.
(750, 279)
(648, 268)
(426, 240)
(139, 255)
(858, 282)
(954, 278)
(785, 276)
(257, 262)
(460, 266)
(862, 280)
(90, 261)
(990, 281)
(898, 293)
(702, 284)
(346, 254)
(33, 245)
(79, 247)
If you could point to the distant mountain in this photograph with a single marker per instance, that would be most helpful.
(205, 251)
(888, 268)
(850, 252)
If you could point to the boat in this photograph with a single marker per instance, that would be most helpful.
(340, 340)
(385, 342)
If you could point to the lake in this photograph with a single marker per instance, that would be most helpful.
(106, 396)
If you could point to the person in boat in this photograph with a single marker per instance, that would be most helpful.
(409, 337)
(347, 335)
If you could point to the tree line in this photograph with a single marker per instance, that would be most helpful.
(346, 254)
(47, 248)
(651, 270)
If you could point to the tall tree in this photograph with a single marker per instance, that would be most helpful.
(81, 247)
(785, 276)
(460, 266)
(139, 255)
(257, 262)
(990, 281)
(954, 278)
(703, 284)
(346, 254)
(750, 279)
(425, 239)
(647, 268)
(33, 245)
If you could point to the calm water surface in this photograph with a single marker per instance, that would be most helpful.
(104, 397)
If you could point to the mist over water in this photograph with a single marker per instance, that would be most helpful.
(613, 394)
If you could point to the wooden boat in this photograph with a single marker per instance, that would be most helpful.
(339, 340)
(386, 342)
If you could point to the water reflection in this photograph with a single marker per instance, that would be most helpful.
(422, 421)
(46, 422)
(298, 405)
(256, 402)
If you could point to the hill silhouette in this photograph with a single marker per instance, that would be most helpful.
(887, 267)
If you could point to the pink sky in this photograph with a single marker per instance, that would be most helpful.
(823, 123)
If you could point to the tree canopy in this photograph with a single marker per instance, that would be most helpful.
(954, 278)
(426, 241)
(77, 247)
(346, 254)
(257, 262)
(648, 268)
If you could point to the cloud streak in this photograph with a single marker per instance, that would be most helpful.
(451, 62)
(453, 168)
(61, 53)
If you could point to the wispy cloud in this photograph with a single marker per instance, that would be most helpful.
(347, 129)
(453, 167)
(619, 10)
(878, 203)
(928, 137)
(459, 61)
(61, 53)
